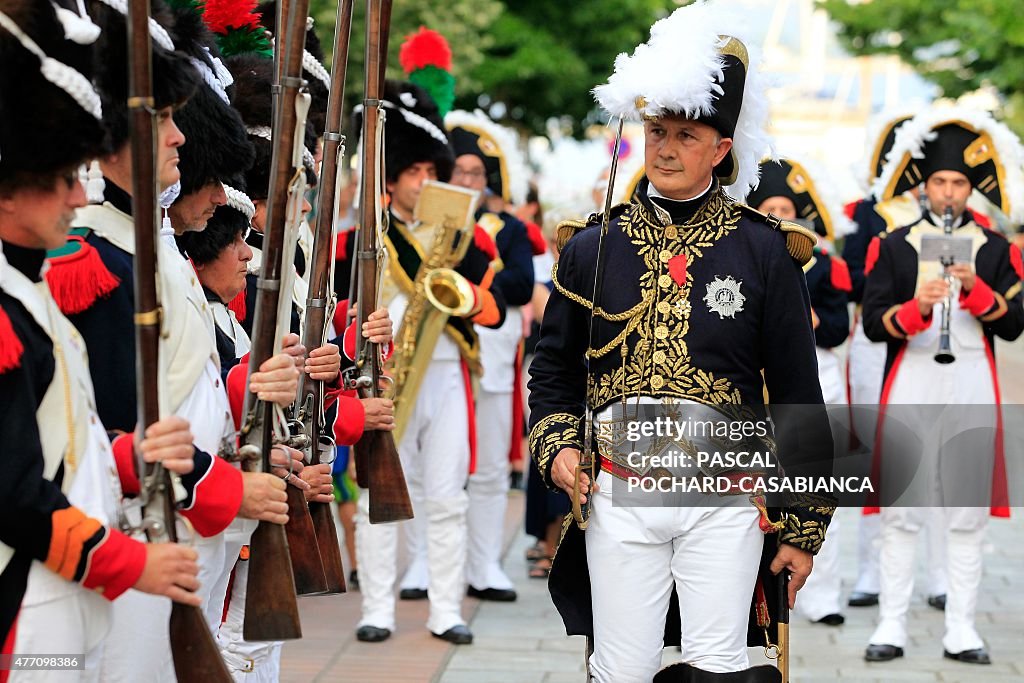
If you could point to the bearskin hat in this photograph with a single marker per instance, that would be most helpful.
(319, 81)
(174, 77)
(254, 76)
(216, 145)
(50, 114)
(413, 132)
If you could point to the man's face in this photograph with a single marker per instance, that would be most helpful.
(947, 188)
(469, 172)
(225, 275)
(192, 211)
(405, 191)
(680, 155)
(40, 218)
(169, 139)
(259, 219)
(781, 207)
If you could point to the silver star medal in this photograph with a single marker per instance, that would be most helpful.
(724, 297)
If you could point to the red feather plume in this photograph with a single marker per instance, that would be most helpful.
(425, 48)
(221, 15)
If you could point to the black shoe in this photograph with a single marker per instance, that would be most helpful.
(494, 594)
(353, 580)
(372, 634)
(978, 656)
(457, 635)
(939, 603)
(862, 599)
(882, 653)
(832, 620)
(413, 594)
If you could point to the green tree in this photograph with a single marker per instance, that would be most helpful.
(960, 45)
(538, 59)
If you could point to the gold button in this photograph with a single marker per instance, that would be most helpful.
(193, 280)
(671, 232)
(657, 382)
(661, 332)
(663, 307)
(664, 281)
(659, 357)
(665, 255)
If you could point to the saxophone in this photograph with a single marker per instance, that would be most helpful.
(439, 292)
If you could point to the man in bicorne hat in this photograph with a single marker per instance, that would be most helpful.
(953, 151)
(702, 308)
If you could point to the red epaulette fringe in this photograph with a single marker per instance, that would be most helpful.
(79, 278)
(10, 346)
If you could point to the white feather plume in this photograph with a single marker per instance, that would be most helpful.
(676, 71)
(506, 140)
(912, 136)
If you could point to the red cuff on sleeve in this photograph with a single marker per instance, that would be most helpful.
(216, 500)
(910, 319)
(235, 385)
(979, 300)
(387, 351)
(124, 458)
(350, 421)
(116, 564)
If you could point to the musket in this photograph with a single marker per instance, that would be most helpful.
(321, 302)
(271, 609)
(378, 466)
(196, 656)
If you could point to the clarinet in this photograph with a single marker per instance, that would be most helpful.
(945, 353)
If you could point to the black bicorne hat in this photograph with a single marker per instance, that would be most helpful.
(884, 144)
(216, 144)
(44, 127)
(787, 178)
(413, 133)
(957, 139)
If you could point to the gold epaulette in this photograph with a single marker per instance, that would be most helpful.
(799, 240)
(566, 229)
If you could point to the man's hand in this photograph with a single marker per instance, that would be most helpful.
(931, 293)
(320, 482)
(263, 498)
(290, 344)
(171, 571)
(378, 328)
(324, 363)
(277, 380)
(798, 562)
(563, 473)
(964, 273)
(169, 442)
(288, 465)
(380, 414)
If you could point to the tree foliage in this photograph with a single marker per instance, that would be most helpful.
(538, 59)
(960, 45)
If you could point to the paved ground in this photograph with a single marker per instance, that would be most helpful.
(524, 642)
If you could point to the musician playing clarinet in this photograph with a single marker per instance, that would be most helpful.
(939, 297)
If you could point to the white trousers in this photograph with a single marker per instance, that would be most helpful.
(820, 596)
(922, 381)
(965, 533)
(488, 491)
(74, 621)
(636, 556)
(435, 457)
(248, 662)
